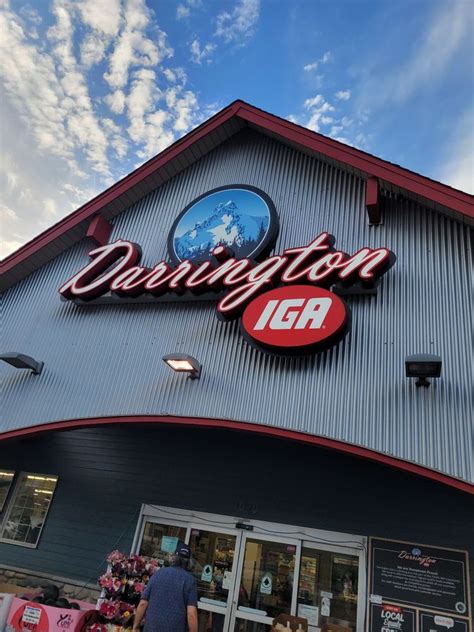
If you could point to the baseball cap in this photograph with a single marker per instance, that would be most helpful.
(183, 550)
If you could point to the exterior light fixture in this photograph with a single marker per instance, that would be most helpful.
(423, 366)
(183, 363)
(22, 361)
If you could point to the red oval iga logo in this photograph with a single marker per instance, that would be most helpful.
(295, 319)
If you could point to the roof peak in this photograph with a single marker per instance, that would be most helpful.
(186, 150)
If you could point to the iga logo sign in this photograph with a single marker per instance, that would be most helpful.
(297, 319)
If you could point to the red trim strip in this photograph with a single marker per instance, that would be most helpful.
(291, 435)
(442, 194)
(372, 200)
(99, 230)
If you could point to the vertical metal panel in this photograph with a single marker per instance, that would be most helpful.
(106, 360)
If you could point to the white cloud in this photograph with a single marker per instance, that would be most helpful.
(116, 101)
(457, 168)
(185, 111)
(182, 11)
(314, 102)
(133, 47)
(170, 75)
(154, 128)
(30, 14)
(238, 26)
(318, 108)
(50, 208)
(93, 49)
(80, 119)
(140, 101)
(101, 15)
(343, 95)
(327, 57)
(198, 54)
(31, 85)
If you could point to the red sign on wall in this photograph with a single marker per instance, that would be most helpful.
(295, 319)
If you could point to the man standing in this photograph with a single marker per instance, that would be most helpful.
(170, 598)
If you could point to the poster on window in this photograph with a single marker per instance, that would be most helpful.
(418, 579)
(440, 623)
(388, 618)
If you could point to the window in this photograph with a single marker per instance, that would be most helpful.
(27, 511)
(160, 539)
(6, 477)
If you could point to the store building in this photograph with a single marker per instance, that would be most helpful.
(310, 475)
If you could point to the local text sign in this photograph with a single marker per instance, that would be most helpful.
(388, 618)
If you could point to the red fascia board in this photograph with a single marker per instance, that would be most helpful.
(436, 191)
(259, 429)
(115, 191)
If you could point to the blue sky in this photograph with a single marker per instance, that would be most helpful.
(92, 88)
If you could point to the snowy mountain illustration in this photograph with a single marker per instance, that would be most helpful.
(226, 225)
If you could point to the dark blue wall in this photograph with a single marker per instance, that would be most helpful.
(105, 474)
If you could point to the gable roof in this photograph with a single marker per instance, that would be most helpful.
(201, 141)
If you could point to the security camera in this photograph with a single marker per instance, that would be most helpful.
(423, 366)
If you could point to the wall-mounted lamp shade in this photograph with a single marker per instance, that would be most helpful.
(183, 364)
(422, 366)
(22, 361)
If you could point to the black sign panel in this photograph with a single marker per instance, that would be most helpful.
(427, 577)
(441, 623)
(388, 618)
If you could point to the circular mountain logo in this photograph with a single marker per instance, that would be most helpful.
(239, 217)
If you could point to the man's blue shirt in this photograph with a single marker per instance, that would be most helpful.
(169, 592)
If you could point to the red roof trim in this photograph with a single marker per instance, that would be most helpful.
(437, 192)
(405, 179)
(291, 435)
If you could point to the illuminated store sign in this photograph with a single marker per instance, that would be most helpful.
(215, 246)
(299, 318)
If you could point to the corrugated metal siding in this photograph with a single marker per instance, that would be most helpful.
(106, 360)
(105, 474)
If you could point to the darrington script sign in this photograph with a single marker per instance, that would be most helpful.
(208, 232)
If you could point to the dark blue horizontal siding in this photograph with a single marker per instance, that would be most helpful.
(105, 474)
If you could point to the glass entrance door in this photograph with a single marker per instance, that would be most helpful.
(266, 585)
(328, 588)
(213, 566)
(247, 578)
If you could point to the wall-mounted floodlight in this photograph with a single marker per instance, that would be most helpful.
(22, 361)
(183, 363)
(423, 366)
